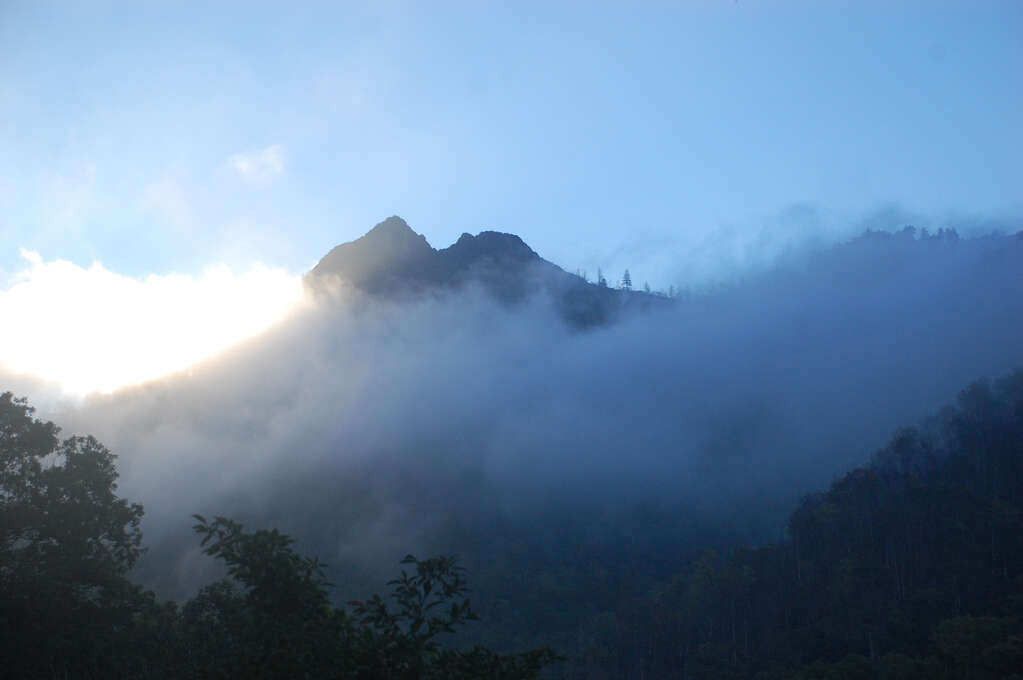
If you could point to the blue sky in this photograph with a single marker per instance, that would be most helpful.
(170, 137)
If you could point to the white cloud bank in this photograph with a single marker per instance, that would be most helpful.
(95, 330)
(260, 165)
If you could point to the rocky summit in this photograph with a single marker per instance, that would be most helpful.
(393, 260)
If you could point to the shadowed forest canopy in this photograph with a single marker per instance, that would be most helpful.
(67, 608)
(907, 567)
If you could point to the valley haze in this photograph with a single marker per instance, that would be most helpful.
(473, 399)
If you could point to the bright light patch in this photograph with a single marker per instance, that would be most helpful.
(94, 330)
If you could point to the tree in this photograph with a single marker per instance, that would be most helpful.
(626, 281)
(67, 609)
(274, 619)
(67, 542)
(407, 634)
(401, 637)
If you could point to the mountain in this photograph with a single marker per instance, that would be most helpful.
(580, 475)
(393, 260)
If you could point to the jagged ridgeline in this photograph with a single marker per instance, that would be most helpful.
(393, 260)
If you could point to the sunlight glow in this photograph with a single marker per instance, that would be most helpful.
(95, 330)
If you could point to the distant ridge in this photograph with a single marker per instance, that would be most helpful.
(393, 260)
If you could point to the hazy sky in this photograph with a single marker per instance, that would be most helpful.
(164, 164)
(169, 138)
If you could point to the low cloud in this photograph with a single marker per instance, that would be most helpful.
(90, 329)
(369, 429)
(259, 166)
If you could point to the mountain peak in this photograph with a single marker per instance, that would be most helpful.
(391, 258)
(392, 225)
(372, 260)
(396, 234)
(492, 244)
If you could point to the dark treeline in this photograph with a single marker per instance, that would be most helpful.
(69, 610)
(909, 567)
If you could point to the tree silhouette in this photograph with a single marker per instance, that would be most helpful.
(274, 619)
(66, 543)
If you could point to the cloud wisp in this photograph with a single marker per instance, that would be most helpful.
(259, 166)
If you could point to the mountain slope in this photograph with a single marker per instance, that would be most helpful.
(393, 260)
(576, 471)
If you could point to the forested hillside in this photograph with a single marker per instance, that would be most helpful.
(907, 567)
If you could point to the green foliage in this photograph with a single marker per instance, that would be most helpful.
(277, 580)
(909, 567)
(274, 619)
(66, 543)
(60, 512)
(427, 603)
(67, 609)
(480, 663)
(398, 639)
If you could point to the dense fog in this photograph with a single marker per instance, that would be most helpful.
(369, 428)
